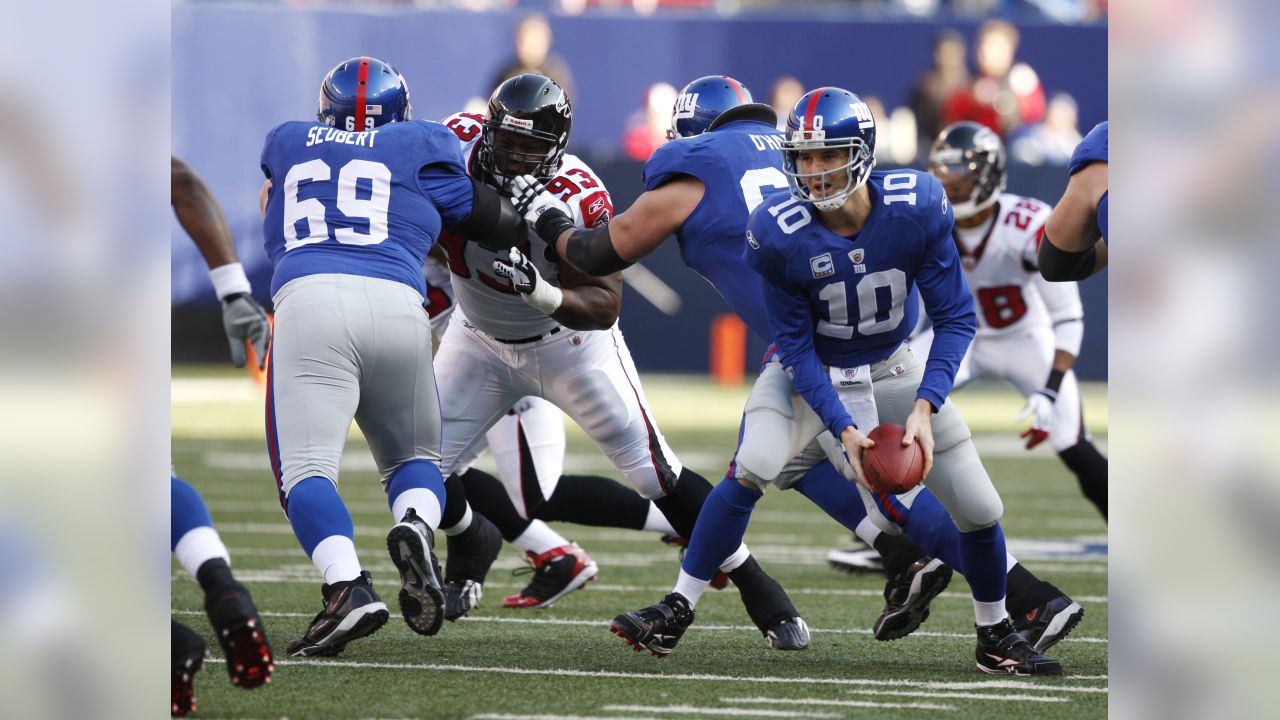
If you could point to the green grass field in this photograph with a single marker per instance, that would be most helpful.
(562, 663)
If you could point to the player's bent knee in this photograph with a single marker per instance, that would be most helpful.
(308, 471)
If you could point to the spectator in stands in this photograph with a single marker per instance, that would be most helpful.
(647, 127)
(533, 54)
(1005, 95)
(1052, 141)
(948, 76)
(784, 94)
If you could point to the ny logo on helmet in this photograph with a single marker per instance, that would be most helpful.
(686, 104)
(863, 113)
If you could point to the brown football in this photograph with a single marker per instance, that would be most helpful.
(889, 467)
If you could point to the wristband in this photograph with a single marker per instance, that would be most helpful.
(1054, 383)
(545, 297)
(551, 224)
(229, 279)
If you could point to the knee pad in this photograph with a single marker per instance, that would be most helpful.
(962, 485)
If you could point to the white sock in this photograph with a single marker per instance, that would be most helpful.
(734, 561)
(690, 587)
(423, 501)
(867, 531)
(1009, 561)
(462, 525)
(539, 538)
(335, 558)
(657, 522)
(197, 546)
(989, 613)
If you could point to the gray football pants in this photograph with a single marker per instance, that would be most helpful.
(348, 346)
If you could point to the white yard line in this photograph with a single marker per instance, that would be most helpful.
(522, 716)
(894, 693)
(690, 677)
(600, 623)
(686, 710)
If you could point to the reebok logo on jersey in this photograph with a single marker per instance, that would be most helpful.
(751, 240)
(822, 266)
(596, 206)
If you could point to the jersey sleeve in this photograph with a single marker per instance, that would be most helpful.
(584, 192)
(669, 161)
(466, 126)
(443, 176)
(792, 323)
(1093, 148)
(268, 147)
(1062, 300)
(947, 299)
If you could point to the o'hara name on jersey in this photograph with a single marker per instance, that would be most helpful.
(317, 135)
(766, 142)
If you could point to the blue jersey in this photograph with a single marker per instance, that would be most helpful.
(737, 164)
(360, 203)
(849, 301)
(1092, 149)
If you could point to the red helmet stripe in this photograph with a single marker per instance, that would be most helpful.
(737, 87)
(811, 107)
(362, 90)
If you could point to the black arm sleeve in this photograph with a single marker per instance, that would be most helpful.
(591, 251)
(493, 222)
(1058, 265)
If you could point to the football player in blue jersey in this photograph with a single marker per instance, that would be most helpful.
(193, 539)
(351, 206)
(701, 189)
(1074, 246)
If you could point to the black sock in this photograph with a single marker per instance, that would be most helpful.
(1090, 468)
(489, 498)
(897, 552)
(682, 505)
(764, 598)
(1025, 591)
(214, 575)
(592, 500)
(455, 502)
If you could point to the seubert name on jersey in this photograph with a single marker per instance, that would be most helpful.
(317, 135)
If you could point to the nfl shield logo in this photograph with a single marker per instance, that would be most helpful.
(856, 256)
(576, 340)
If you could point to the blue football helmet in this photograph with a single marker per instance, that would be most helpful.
(702, 103)
(829, 117)
(363, 93)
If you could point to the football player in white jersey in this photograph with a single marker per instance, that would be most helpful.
(528, 324)
(1029, 329)
(528, 447)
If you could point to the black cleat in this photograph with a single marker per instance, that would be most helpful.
(556, 573)
(186, 650)
(766, 602)
(656, 628)
(1046, 624)
(907, 596)
(352, 610)
(471, 554)
(242, 636)
(412, 547)
(1003, 651)
(856, 561)
(789, 634)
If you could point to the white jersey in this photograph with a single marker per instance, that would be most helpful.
(490, 303)
(1000, 263)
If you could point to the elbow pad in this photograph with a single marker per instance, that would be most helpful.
(1058, 265)
(591, 251)
(493, 222)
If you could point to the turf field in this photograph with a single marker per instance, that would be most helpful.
(563, 664)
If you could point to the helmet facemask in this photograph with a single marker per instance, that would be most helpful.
(951, 164)
(857, 167)
(507, 152)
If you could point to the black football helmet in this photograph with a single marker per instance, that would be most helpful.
(526, 129)
(969, 160)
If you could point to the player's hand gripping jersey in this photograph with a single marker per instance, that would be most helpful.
(489, 302)
(845, 302)
(360, 203)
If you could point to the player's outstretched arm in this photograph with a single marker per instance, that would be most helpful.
(199, 214)
(630, 236)
(1073, 247)
(581, 302)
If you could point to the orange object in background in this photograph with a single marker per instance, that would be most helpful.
(252, 366)
(728, 349)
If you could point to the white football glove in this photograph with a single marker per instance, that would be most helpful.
(524, 277)
(532, 199)
(1039, 408)
(244, 319)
